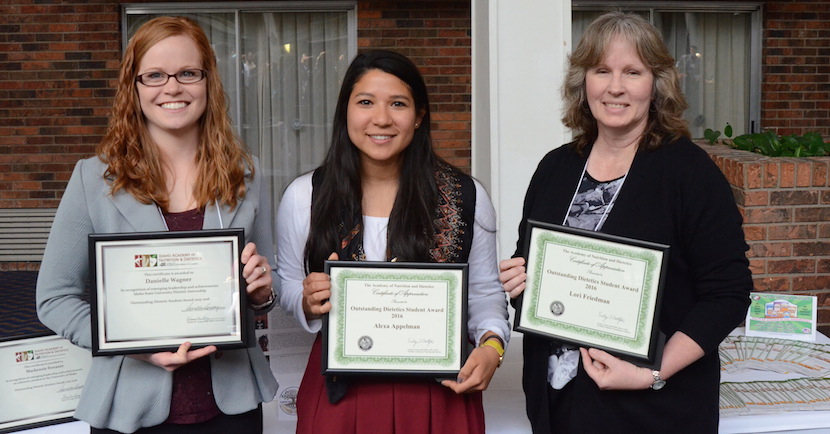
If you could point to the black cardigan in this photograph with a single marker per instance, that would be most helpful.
(674, 195)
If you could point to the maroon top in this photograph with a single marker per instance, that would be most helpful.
(192, 400)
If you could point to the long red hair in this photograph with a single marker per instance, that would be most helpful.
(133, 159)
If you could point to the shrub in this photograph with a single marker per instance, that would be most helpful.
(771, 144)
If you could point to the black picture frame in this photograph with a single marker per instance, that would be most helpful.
(160, 254)
(351, 280)
(568, 268)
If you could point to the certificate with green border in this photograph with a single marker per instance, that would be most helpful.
(396, 318)
(591, 289)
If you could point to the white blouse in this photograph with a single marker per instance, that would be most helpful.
(487, 302)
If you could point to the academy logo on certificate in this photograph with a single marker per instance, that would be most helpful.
(142, 261)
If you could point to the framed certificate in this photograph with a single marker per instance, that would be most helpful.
(396, 318)
(152, 291)
(43, 376)
(591, 289)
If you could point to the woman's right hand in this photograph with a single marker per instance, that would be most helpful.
(170, 361)
(316, 293)
(512, 275)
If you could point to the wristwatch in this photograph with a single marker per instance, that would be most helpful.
(658, 382)
(495, 342)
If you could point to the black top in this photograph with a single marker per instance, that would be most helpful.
(674, 195)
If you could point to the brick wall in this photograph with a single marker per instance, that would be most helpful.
(59, 61)
(786, 207)
(436, 35)
(56, 63)
(796, 70)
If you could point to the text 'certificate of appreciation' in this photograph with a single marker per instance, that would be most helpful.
(154, 291)
(405, 318)
(593, 290)
(42, 381)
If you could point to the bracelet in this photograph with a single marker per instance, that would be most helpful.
(495, 344)
(496, 337)
(267, 303)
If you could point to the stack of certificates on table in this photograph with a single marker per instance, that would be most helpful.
(802, 381)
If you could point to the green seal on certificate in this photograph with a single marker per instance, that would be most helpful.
(591, 289)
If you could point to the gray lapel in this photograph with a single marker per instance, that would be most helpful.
(142, 217)
(212, 217)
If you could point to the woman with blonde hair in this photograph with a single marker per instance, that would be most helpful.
(632, 171)
(168, 162)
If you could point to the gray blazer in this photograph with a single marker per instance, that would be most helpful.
(122, 393)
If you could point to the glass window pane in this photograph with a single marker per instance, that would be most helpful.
(713, 58)
(292, 64)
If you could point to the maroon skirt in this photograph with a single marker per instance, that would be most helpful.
(384, 406)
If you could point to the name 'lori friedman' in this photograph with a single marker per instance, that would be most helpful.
(589, 297)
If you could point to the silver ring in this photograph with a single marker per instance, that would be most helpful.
(264, 270)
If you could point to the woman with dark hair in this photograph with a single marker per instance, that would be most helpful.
(632, 171)
(382, 194)
(168, 162)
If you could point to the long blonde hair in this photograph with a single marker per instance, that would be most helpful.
(133, 159)
(665, 118)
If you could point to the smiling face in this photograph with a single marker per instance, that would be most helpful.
(173, 109)
(619, 90)
(381, 117)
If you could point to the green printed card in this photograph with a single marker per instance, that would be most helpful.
(782, 316)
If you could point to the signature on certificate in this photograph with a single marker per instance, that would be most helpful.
(611, 319)
(421, 342)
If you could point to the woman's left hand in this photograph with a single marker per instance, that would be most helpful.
(477, 372)
(612, 373)
(257, 272)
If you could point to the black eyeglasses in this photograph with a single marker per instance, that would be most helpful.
(158, 78)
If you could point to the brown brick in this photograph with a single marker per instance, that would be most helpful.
(811, 283)
(768, 215)
(804, 176)
(754, 175)
(771, 171)
(791, 266)
(772, 284)
(757, 232)
(812, 214)
(752, 197)
(816, 248)
(820, 172)
(758, 266)
(792, 232)
(770, 250)
(793, 197)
